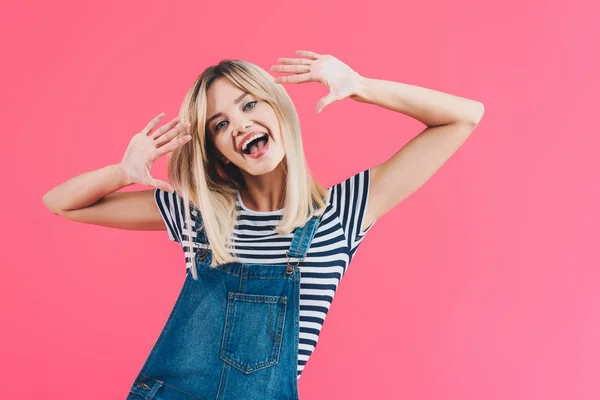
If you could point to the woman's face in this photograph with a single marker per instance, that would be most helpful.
(243, 128)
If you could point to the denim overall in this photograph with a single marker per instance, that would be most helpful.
(233, 333)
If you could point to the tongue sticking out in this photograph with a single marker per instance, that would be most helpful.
(259, 145)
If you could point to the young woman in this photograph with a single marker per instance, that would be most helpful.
(265, 245)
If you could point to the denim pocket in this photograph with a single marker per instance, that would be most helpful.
(144, 387)
(253, 331)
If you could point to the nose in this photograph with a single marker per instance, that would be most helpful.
(243, 126)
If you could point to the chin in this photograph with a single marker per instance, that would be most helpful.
(261, 170)
(264, 168)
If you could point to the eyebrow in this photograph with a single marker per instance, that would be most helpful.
(235, 103)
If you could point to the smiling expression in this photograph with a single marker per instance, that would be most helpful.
(235, 117)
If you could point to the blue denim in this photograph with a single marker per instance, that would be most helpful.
(232, 334)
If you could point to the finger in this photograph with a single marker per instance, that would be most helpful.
(325, 101)
(291, 68)
(159, 132)
(168, 138)
(165, 138)
(173, 126)
(161, 185)
(172, 145)
(302, 61)
(294, 78)
(153, 123)
(309, 54)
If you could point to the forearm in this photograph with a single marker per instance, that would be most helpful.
(431, 107)
(85, 189)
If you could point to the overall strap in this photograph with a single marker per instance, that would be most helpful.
(302, 239)
(202, 253)
(200, 233)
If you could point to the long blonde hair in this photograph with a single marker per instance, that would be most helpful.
(199, 177)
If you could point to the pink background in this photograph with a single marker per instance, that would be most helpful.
(482, 285)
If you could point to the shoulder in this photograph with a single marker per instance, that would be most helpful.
(348, 201)
(172, 210)
(350, 189)
(172, 201)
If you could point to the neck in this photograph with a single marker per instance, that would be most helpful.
(265, 192)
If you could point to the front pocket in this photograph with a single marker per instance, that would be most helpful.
(253, 331)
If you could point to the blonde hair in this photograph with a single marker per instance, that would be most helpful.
(199, 177)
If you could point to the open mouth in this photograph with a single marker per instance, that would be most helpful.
(256, 144)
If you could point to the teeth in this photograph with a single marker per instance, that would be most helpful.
(253, 137)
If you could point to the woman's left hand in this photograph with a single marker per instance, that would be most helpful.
(342, 80)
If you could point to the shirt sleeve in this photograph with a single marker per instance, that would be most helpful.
(350, 199)
(170, 206)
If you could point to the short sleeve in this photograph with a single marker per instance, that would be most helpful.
(349, 200)
(170, 206)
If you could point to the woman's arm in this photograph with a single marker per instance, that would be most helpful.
(92, 197)
(450, 121)
(431, 107)
(86, 189)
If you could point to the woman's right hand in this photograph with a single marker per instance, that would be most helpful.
(144, 148)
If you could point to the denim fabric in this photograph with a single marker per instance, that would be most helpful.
(232, 334)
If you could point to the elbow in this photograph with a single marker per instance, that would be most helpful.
(477, 113)
(471, 115)
(48, 203)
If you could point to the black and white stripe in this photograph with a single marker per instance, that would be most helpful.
(335, 243)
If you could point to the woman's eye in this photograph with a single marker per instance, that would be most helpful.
(218, 126)
(251, 102)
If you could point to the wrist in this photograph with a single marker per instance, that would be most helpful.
(124, 178)
(360, 91)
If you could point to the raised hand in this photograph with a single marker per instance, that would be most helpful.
(144, 148)
(342, 80)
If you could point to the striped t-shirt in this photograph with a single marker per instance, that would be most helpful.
(332, 248)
